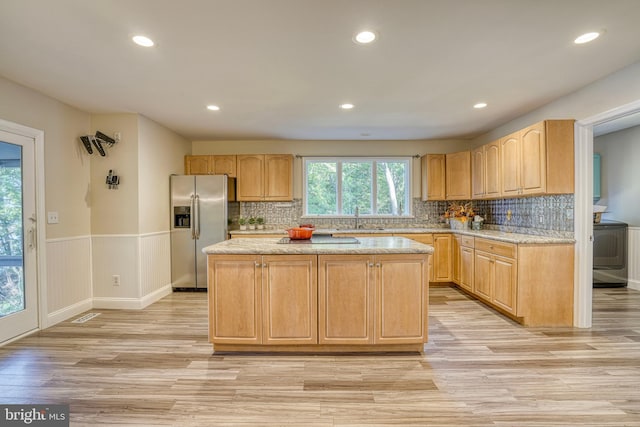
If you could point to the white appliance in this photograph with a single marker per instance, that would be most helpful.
(199, 212)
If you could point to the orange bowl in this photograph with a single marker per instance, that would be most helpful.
(300, 233)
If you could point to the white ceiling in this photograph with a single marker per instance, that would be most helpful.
(279, 68)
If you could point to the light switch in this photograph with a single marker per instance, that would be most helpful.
(52, 217)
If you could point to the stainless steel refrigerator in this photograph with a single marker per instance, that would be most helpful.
(198, 219)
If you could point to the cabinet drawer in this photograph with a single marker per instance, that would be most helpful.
(496, 248)
(467, 241)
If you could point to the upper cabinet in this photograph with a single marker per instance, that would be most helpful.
(538, 159)
(533, 161)
(446, 176)
(265, 177)
(458, 175)
(433, 177)
(210, 165)
(485, 171)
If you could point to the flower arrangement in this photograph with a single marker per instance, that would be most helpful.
(460, 212)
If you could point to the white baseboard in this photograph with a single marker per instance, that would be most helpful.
(156, 295)
(68, 312)
(131, 303)
(633, 284)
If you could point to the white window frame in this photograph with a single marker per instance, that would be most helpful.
(408, 206)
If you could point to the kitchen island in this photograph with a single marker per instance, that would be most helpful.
(328, 295)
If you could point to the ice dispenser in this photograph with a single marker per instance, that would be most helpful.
(181, 216)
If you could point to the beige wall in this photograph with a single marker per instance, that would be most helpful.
(161, 153)
(333, 148)
(619, 88)
(66, 164)
(115, 211)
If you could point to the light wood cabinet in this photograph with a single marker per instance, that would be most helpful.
(442, 258)
(197, 165)
(456, 241)
(477, 173)
(458, 175)
(224, 165)
(427, 239)
(496, 274)
(538, 159)
(463, 262)
(402, 299)
(510, 164)
(210, 165)
(433, 177)
(318, 302)
(366, 299)
(345, 299)
(289, 299)
(441, 262)
(485, 171)
(235, 299)
(257, 299)
(373, 299)
(265, 177)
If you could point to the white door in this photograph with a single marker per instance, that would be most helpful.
(18, 260)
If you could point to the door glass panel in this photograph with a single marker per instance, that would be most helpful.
(12, 292)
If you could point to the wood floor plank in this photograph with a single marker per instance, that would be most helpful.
(155, 367)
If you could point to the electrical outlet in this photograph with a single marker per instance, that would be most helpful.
(52, 217)
(541, 219)
(509, 214)
(115, 280)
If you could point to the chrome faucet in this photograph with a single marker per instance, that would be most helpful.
(357, 215)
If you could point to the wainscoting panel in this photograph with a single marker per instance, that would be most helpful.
(68, 278)
(115, 255)
(155, 266)
(633, 260)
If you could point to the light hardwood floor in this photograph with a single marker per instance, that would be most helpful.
(155, 367)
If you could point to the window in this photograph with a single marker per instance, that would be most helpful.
(376, 186)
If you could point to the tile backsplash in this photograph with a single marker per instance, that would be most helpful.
(532, 215)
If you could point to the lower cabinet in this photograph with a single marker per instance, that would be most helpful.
(441, 262)
(442, 259)
(496, 274)
(466, 260)
(366, 299)
(270, 299)
(311, 300)
(235, 299)
(496, 280)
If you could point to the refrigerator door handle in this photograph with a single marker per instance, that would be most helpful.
(193, 227)
(197, 219)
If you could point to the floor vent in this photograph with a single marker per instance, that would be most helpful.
(85, 318)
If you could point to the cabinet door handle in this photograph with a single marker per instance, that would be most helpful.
(264, 265)
(378, 265)
(370, 264)
(257, 264)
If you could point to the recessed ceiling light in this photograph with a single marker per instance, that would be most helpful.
(480, 105)
(142, 41)
(346, 106)
(213, 107)
(587, 37)
(364, 37)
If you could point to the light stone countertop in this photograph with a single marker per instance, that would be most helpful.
(367, 245)
(503, 236)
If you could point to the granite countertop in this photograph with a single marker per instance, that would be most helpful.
(367, 245)
(518, 238)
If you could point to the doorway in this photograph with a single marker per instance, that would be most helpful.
(584, 207)
(19, 300)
